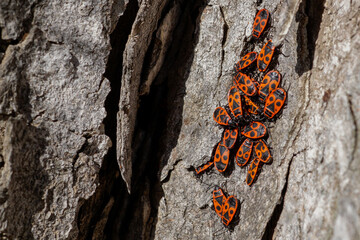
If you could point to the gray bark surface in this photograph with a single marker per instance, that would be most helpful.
(106, 107)
(52, 107)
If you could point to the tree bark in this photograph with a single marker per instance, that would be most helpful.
(106, 108)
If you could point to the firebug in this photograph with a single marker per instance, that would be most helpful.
(265, 56)
(252, 171)
(218, 201)
(234, 99)
(221, 158)
(245, 84)
(270, 82)
(244, 152)
(222, 117)
(274, 102)
(246, 61)
(260, 22)
(229, 210)
(229, 137)
(262, 151)
(206, 166)
(254, 130)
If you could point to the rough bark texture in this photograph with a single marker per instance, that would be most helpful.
(52, 108)
(147, 76)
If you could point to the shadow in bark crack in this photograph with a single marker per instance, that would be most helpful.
(172, 77)
(4, 45)
(98, 214)
(174, 74)
(157, 129)
(310, 16)
(272, 223)
(158, 125)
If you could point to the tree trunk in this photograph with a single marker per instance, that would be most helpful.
(106, 109)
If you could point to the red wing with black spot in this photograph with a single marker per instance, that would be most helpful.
(218, 201)
(251, 107)
(265, 56)
(221, 158)
(201, 169)
(230, 137)
(252, 171)
(260, 22)
(234, 99)
(244, 152)
(245, 84)
(270, 82)
(222, 117)
(274, 102)
(229, 210)
(254, 130)
(246, 61)
(262, 151)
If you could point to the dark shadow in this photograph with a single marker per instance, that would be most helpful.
(100, 208)
(314, 10)
(4, 45)
(174, 74)
(125, 219)
(158, 125)
(272, 223)
(118, 39)
(258, 2)
(157, 129)
(309, 17)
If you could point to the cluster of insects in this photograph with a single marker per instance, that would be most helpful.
(255, 98)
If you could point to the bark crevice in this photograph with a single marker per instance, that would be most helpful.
(314, 11)
(272, 223)
(99, 212)
(152, 142)
(135, 215)
(356, 129)
(310, 17)
(223, 42)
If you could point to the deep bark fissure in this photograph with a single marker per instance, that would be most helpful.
(225, 35)
(314, 11)
(167, 178)
(27, 24)
(141, 207)
(111, 187)
(356, 129)
(4, 44)
(272, 223)
(185, 37)
(309, 17)
(113, 72)
(302, 64)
